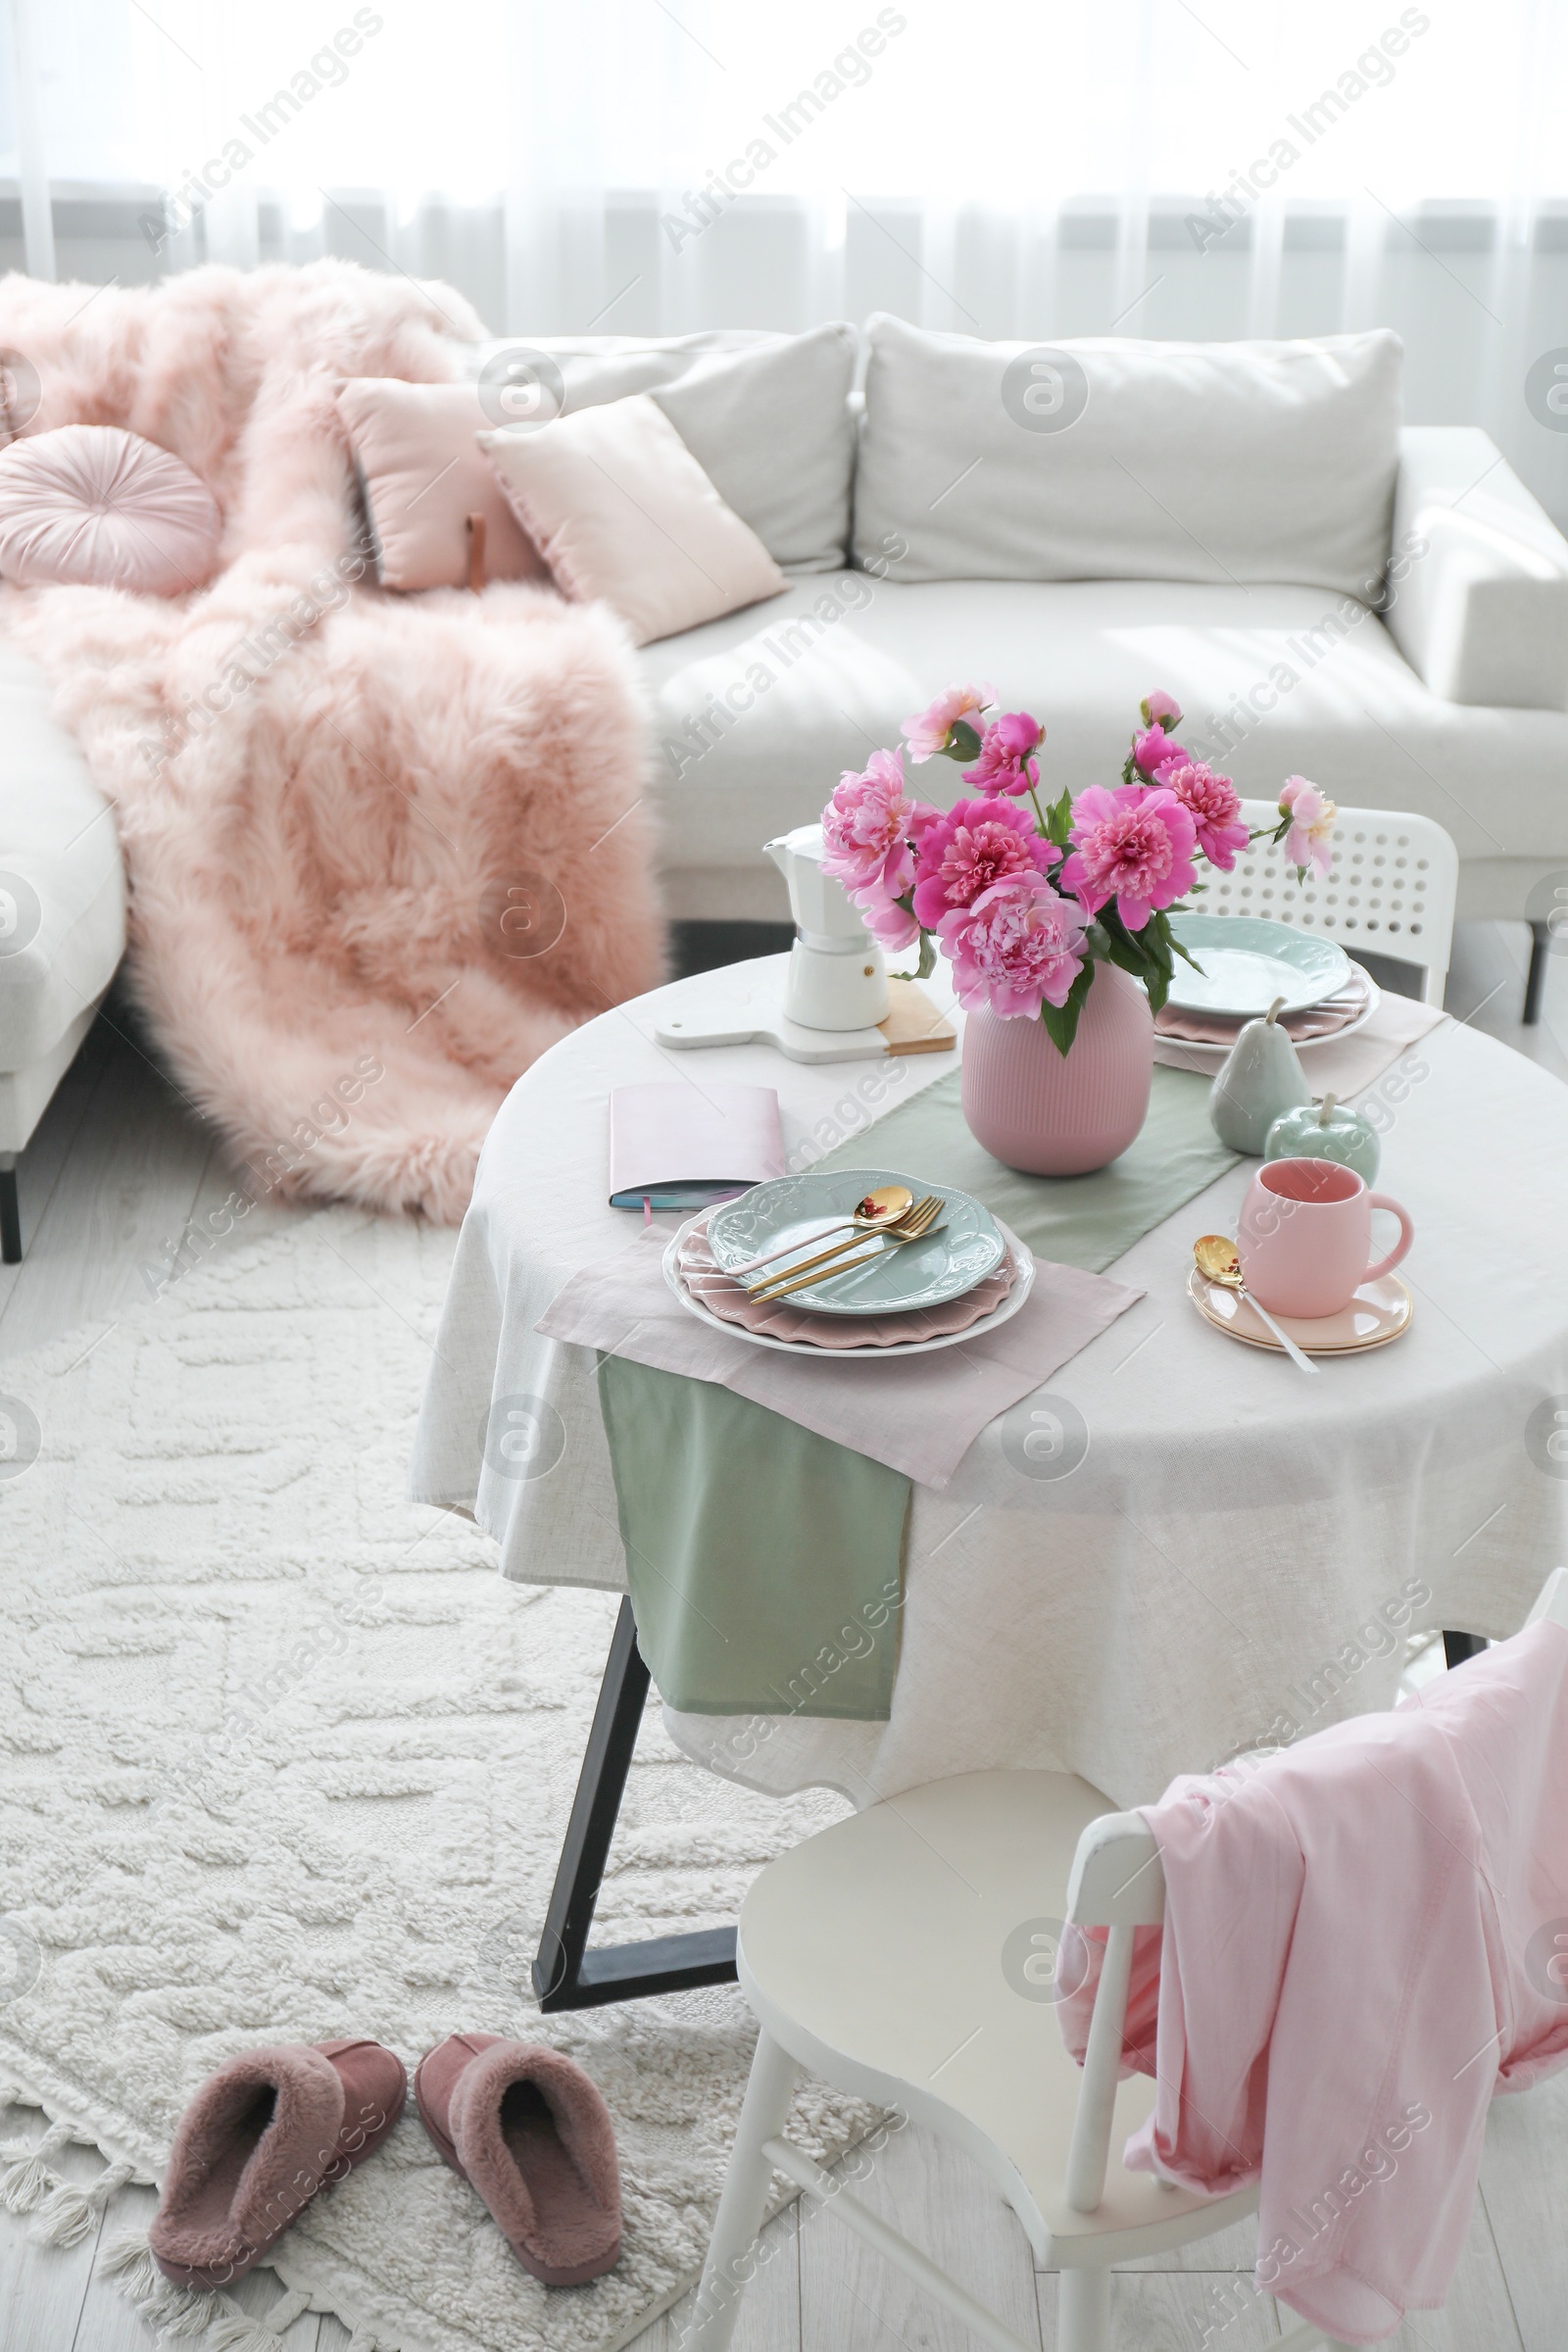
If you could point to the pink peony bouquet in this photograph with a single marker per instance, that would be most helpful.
(1025, 899)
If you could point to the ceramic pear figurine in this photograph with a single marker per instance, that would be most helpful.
(1261, 1079)
(1328, 1130)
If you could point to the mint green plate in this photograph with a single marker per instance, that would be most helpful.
(1247, 962)
(798, 1210)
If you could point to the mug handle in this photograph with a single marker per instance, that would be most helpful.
(1402, 1246)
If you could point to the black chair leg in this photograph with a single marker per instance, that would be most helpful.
(1535, 985)
(1456, 1647)
(10, 1215)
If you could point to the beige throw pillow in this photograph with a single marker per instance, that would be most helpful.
(619, 509)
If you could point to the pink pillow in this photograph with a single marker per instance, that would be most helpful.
(425, 474)
(621, 510)
(93, 506)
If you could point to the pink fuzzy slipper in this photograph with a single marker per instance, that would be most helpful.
(256, 2142)
(525, 2127)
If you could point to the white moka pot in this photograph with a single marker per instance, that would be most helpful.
(837, 978)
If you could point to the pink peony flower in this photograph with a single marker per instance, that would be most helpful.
(1309, 841)
(1133, 846)
(1160, 710)
(886, 920)
(1212, 803)
(1153, 749)
(866, 829)
(1003, 764)
(927, 734)
(1020, 945)
(976, 844)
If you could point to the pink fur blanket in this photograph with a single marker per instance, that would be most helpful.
(384, 851)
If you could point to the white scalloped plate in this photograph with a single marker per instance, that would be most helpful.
(1023, 1260)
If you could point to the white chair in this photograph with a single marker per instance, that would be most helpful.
(904, 1956)
(1392, 891)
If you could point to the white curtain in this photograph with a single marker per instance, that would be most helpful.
(1028, 167)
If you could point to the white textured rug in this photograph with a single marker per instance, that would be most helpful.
(287, 1759)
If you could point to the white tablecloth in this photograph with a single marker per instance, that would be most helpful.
(1186, 1569)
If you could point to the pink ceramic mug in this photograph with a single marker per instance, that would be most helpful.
(1306, 1235)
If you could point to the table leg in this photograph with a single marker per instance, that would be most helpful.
(9, 1212)
(1536, 980)
(566, 1975)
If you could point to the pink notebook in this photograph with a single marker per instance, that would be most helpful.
(678, 1146)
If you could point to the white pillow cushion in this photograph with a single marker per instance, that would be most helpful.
(620, 509)
(765, 415)
(1241, 462)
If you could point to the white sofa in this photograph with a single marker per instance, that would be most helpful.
(1383, 611)
(62, 912)
(1430, 674)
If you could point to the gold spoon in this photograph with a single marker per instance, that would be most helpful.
(913, 1220)
(872, 1214)
(918, 1226)
(1218, 1263)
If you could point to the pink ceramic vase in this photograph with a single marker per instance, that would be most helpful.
(1061, 1115)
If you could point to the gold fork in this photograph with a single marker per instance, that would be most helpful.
(853, 1241)
(912, 1227)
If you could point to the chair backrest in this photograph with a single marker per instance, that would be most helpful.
(1392, 890)
(1117, 1881)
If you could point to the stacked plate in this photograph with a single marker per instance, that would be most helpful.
(1245, 961)
(965, 1276)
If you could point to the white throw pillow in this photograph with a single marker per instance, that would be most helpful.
(765, 415)
(1119, 460)
(620, 509)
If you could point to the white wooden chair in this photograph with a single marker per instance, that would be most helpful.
(1392, 890)
(904, 1956)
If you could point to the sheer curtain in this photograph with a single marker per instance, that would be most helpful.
(1002, 168)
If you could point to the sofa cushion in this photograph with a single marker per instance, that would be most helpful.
(1120, 460)
(757, 716)
(61, 885)
(621, 511)
(91, 505)
(767, 417)
(422, 473)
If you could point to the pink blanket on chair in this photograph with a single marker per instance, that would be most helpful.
(384, 851)
(1365, 1937)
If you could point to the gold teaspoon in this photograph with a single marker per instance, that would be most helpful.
(1218, 1263)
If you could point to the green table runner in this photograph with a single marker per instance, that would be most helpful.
(1087, 1221)
(763, 1560)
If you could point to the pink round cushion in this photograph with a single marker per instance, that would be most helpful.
(91, 505)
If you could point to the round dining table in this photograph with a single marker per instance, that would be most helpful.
(1180, 1549)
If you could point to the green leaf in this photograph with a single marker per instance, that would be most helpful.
(962, 742)
(928, 956)
(1062, 1020)
(1059, 821)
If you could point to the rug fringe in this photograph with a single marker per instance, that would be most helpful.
(236, 2331)
(169, 2311)
(177, 2314)
(28, 2179)
(70, 2213)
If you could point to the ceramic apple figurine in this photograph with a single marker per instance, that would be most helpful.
(1261, 1079)
(1328, 1130)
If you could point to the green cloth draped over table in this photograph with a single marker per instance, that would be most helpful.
(1087, 1221)
(764, 1560)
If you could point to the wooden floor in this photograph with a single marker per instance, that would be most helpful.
(117, 1169)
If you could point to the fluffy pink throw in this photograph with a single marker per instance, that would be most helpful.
(384, 851)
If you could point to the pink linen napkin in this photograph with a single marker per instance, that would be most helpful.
(787, 1319)
(918, 1414)
(1343, 1066)
(1335, 1012)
